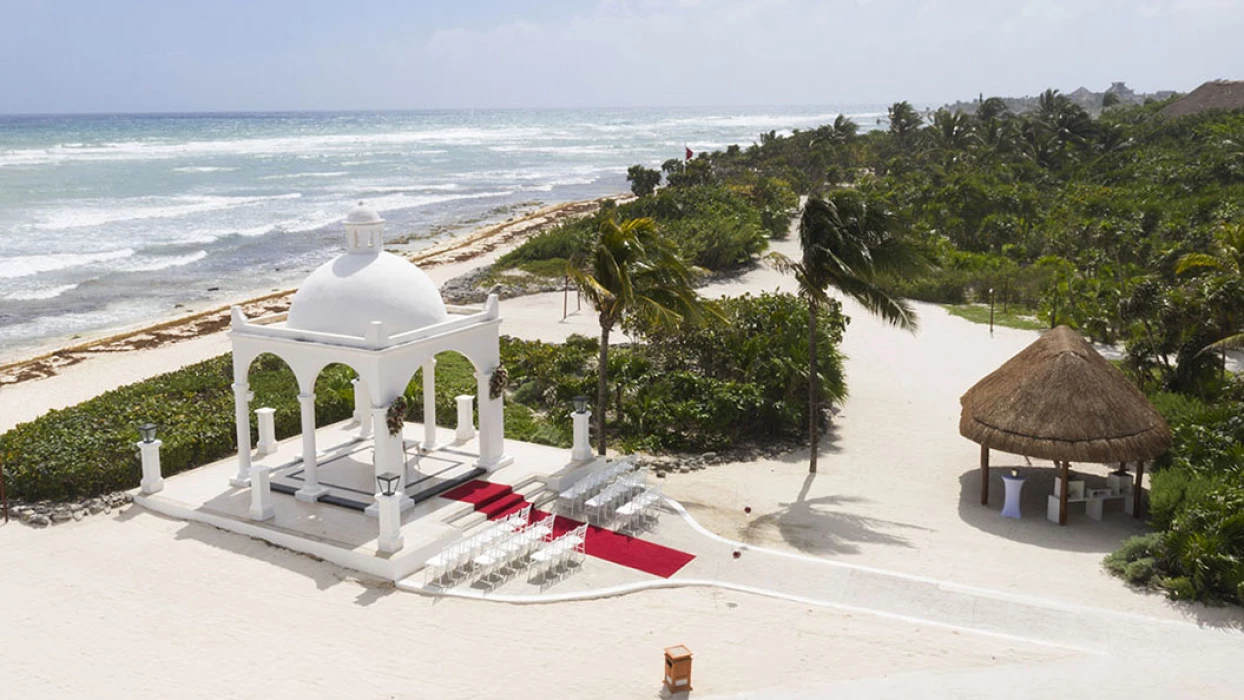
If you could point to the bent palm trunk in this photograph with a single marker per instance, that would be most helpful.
(812, 386)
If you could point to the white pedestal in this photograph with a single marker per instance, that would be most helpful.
(267, 430)
(310, 494)
(1075, 487)
(153, 481)
(466, 422)
(390, 512)
(1094, 508)
(1051, 508)
(1014, 486)
(582, 445)
(261, 494)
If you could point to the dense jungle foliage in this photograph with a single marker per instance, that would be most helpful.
(1128, 227)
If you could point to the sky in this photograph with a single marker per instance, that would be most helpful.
(259, 55)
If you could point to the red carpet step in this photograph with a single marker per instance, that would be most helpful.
(609, 545)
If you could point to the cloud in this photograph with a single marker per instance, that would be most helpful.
(653, 52)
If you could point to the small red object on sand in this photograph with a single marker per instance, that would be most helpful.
(747, 509)
(737, 554)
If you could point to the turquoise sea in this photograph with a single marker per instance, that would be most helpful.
(114, 220)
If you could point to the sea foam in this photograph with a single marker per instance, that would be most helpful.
(26, 265)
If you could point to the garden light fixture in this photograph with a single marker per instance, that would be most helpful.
(388, 483)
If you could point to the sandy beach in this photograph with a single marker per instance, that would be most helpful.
(140, 605)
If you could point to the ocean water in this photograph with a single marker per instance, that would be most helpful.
(108, 221)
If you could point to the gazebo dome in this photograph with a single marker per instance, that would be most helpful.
(345, 295)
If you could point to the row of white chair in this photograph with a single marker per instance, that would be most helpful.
(508, 556)
(572, 501)
(600, 508)
(506, 547)
(638, 513)
(457, 561)
(556, 558)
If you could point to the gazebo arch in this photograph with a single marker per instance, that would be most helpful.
(383, 317)
(1059, 399)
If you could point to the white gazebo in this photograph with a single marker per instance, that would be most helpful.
(382, 316)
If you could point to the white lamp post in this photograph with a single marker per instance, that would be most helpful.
(582, 446)
(389, 508)
(149, 447)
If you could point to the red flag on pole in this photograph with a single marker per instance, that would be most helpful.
(689, 153)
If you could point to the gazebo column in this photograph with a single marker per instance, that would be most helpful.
(242, 416)
(1062, 493)
(491, 424)
(311, 489)
(984, 475)
(429, 404)
(1140, 475)
(387, 456)
(362, 411)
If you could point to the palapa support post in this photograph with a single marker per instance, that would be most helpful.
(984, 475)
(1140, 474)
(1062, 493)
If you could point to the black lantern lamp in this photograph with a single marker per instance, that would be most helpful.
(148, 431)
(388, 482)
(580, 404)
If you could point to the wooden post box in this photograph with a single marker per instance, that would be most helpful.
(678, 669)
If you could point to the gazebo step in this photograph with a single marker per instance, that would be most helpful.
(329, 498)
(442, 487)
(334, 500)
(503, 506)
(544, 500)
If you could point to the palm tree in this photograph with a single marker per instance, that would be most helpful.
(904, 121)
(846, 244)
(1224, 267)
(844, 128)
(632, 271)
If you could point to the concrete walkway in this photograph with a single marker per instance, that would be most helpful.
(888, 594)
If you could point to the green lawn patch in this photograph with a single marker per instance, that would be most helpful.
(1013, 318)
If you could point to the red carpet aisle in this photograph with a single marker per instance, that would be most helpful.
(498, 500)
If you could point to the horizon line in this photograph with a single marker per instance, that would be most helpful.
(430, 110)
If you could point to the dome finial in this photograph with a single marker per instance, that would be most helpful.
(363, 230)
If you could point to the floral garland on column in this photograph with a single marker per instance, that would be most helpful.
(396, 416)
(499, 381)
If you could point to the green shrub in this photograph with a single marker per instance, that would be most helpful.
(712, 226)
(88, 449)
(1140, 572)
(1179, 588)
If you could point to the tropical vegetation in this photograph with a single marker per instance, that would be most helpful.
(739, 377)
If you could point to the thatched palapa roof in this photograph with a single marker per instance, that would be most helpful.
(1216, 94)
(1059, 399)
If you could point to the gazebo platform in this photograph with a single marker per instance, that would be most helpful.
(336, 528)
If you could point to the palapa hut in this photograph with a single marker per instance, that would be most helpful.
(1059, 399)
